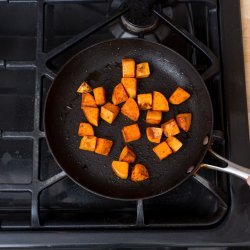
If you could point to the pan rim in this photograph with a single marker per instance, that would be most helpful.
(189, 175)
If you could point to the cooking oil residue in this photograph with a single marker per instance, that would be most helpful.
(95, 76)
(108, 67)
(118, 65)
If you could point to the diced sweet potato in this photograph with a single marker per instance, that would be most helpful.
(85, 129)
(120, 168)
(130, 85)
(88, 142)
(144, 101)
(119, 94)
(160, 102)
(154, 134)
(180, 95)
(170, 128)
(103, 146)
(174, 143)
(92, 115)
(139, 173)
(84, 88)
(162, 150)
(127, 155)
(184, 121)
(130, 109)
(153, 117)
(109, 112)
(131, 133)
(88, 100)
(128, 67)
(99, 94)
(142, 70)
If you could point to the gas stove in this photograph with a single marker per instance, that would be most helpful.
(39, 204)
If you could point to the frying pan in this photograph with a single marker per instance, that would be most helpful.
(100, 65)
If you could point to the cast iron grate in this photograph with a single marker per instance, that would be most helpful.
(41, 70)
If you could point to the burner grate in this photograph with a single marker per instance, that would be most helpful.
(137, 214)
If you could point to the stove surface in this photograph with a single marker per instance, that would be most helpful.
(36, 194)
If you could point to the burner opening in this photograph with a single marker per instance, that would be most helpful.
(140, 19)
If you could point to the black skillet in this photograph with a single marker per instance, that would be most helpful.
(100, 65)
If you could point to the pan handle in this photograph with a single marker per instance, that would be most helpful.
(232, 168)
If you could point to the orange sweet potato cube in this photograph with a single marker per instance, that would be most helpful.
(131, 133)
(174, 143)
(84, 88)
(127, 155)
(162, 150)
(88, 142)
(180, 95)
(130, 85)
(120, 168)
(139, 173)
(85, 129)
(109, 112)
(99, 94)
(144, 101)
(142, 70)
(88, 100)
(103, 146)
(153, 117)
(184, 121)
(128, 67)
(170, 128)
(119, 94)
(92, 115)
(154, 134)
(160, 102)
(130, 109)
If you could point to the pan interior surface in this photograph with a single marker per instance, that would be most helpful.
(100, 65)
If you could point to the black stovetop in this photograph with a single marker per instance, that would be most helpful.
(37, 38)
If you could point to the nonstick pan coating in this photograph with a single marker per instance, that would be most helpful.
(100, 65)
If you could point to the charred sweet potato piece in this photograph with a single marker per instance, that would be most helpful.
(180, 95)
(131, 133)
(99, 94)
(120, 168)
(139, 173)
(88, 142)
(170, 128)
(154, 134)
(88, 100)
(130, 109)
(144, 101)
(127, 155)
(128, 67)
(84, 88)
(119, 94)
(162, 150)
(174, 143)
(142, 70)
(85, 129)
(109, 112)
(130, 85)
(184, 121)
(153, 117)
(160, 102)
(103, 146)
(92, 115)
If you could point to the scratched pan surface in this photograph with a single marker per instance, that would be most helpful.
(100, 65)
